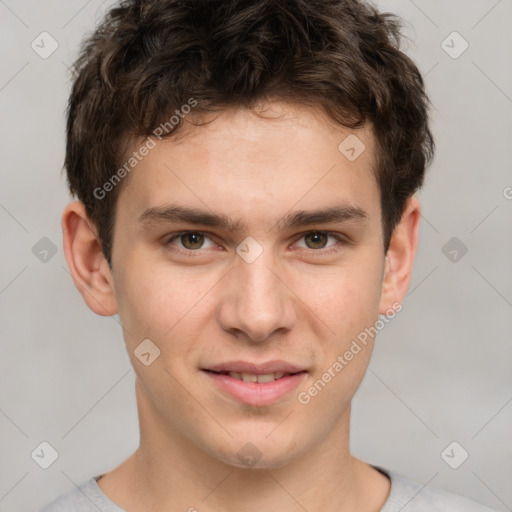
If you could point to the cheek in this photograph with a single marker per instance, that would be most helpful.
(349, 306)
(345, 299)
(162, 303)
(149, 303)
(351, 303)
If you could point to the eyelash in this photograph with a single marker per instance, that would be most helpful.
(317, 252)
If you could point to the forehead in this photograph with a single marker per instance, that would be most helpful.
(257, 164)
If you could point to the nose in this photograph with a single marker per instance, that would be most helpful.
(257, 301)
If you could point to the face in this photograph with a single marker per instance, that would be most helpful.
(251, 245)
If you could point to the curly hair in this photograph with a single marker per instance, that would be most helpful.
(148, 58)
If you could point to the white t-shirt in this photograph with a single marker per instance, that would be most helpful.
(405, 496)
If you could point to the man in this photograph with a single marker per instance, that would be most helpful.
(245, 174)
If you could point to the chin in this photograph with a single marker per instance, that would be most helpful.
(258, 453)
(260, 462)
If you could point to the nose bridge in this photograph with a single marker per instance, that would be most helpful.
(257, 303)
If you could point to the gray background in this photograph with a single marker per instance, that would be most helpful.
(441, 371)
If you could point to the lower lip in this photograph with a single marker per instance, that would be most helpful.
(253, 393)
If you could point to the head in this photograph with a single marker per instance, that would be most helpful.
(289, 138)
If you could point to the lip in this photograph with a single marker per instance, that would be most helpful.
(254, 393)
(257, 369)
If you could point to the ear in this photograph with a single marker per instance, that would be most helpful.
(400, 257)
(87, 264)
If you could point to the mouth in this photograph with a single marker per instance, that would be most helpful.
(253, 377)
(255, 385)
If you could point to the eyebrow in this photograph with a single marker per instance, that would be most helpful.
(178, 213)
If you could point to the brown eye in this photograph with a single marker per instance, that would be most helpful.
(316, 240)
(192, 240)
(320, 243)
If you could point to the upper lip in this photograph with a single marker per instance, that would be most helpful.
(256, 369)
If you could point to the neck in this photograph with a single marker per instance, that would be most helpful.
(170, 472)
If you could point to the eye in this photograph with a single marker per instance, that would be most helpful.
(316, 241)
(190, 240)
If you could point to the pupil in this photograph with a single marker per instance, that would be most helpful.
(316, 242)
(192, 239)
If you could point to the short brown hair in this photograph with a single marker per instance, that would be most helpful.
(149, 58)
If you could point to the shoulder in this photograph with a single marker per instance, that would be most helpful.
(420, 498)
(87, 497)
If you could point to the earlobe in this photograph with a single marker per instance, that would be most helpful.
(400, 257)
(87, 264)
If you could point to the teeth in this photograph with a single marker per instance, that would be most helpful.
(267, 377)
(251, 377)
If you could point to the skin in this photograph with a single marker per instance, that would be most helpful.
(291, 303)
